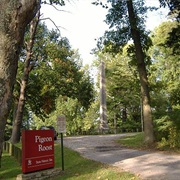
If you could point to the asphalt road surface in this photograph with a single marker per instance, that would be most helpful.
(146, 164)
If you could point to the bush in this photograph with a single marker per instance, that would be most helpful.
(162, 127)
(174, 138)
(167, 129)
(130, 126)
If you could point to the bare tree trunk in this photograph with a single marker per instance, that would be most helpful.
(28, 66)
(147, 114)
(124, 114)
(115, 124)
(103, 108)
(15, 15)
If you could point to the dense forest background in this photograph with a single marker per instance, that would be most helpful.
(142, 77)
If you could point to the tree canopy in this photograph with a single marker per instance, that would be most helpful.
(57, 70)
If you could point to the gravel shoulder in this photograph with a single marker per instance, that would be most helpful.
(146, 164)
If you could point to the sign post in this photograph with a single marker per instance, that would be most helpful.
(62, 152)
(61, 127)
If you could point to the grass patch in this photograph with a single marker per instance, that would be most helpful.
(135, 141)
(76, 168)
(9, 167)
(79, 168)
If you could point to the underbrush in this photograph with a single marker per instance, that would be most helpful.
(137, 141)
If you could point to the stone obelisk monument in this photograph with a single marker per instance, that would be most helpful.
(103, 108)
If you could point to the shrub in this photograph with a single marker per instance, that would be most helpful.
(167, 129)
(174, 138)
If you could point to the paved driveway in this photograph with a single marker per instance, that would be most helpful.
(149, 165)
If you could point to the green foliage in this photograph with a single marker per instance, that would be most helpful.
(119, 32)
(174, 138)
(122, 90)
(137, 141)
(173, 39)
(173, 6)
(168, 129)
(74, 113)
(163, 125)
(130, 126)
(91, 117)
(165, 82)
(57, 71)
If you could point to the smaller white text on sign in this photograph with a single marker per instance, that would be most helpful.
(61, 124)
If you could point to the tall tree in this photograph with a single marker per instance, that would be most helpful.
(165, 83)
(126, 20)
(141, 66)
(173, 6)
(123, 96)
(173, 14)
(15, 15)
(28, 66)
(166, 64)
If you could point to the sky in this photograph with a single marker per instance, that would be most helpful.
(82, 23)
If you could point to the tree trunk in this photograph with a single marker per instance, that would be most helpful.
(147, 114)
(16, 131)
(15, 15)
(124, 114)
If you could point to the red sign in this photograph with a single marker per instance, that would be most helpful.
(37, 150)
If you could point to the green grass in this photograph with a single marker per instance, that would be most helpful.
(135, 141)
(76, 168)
(9, 167)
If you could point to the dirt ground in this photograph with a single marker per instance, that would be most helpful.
(146, 164)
